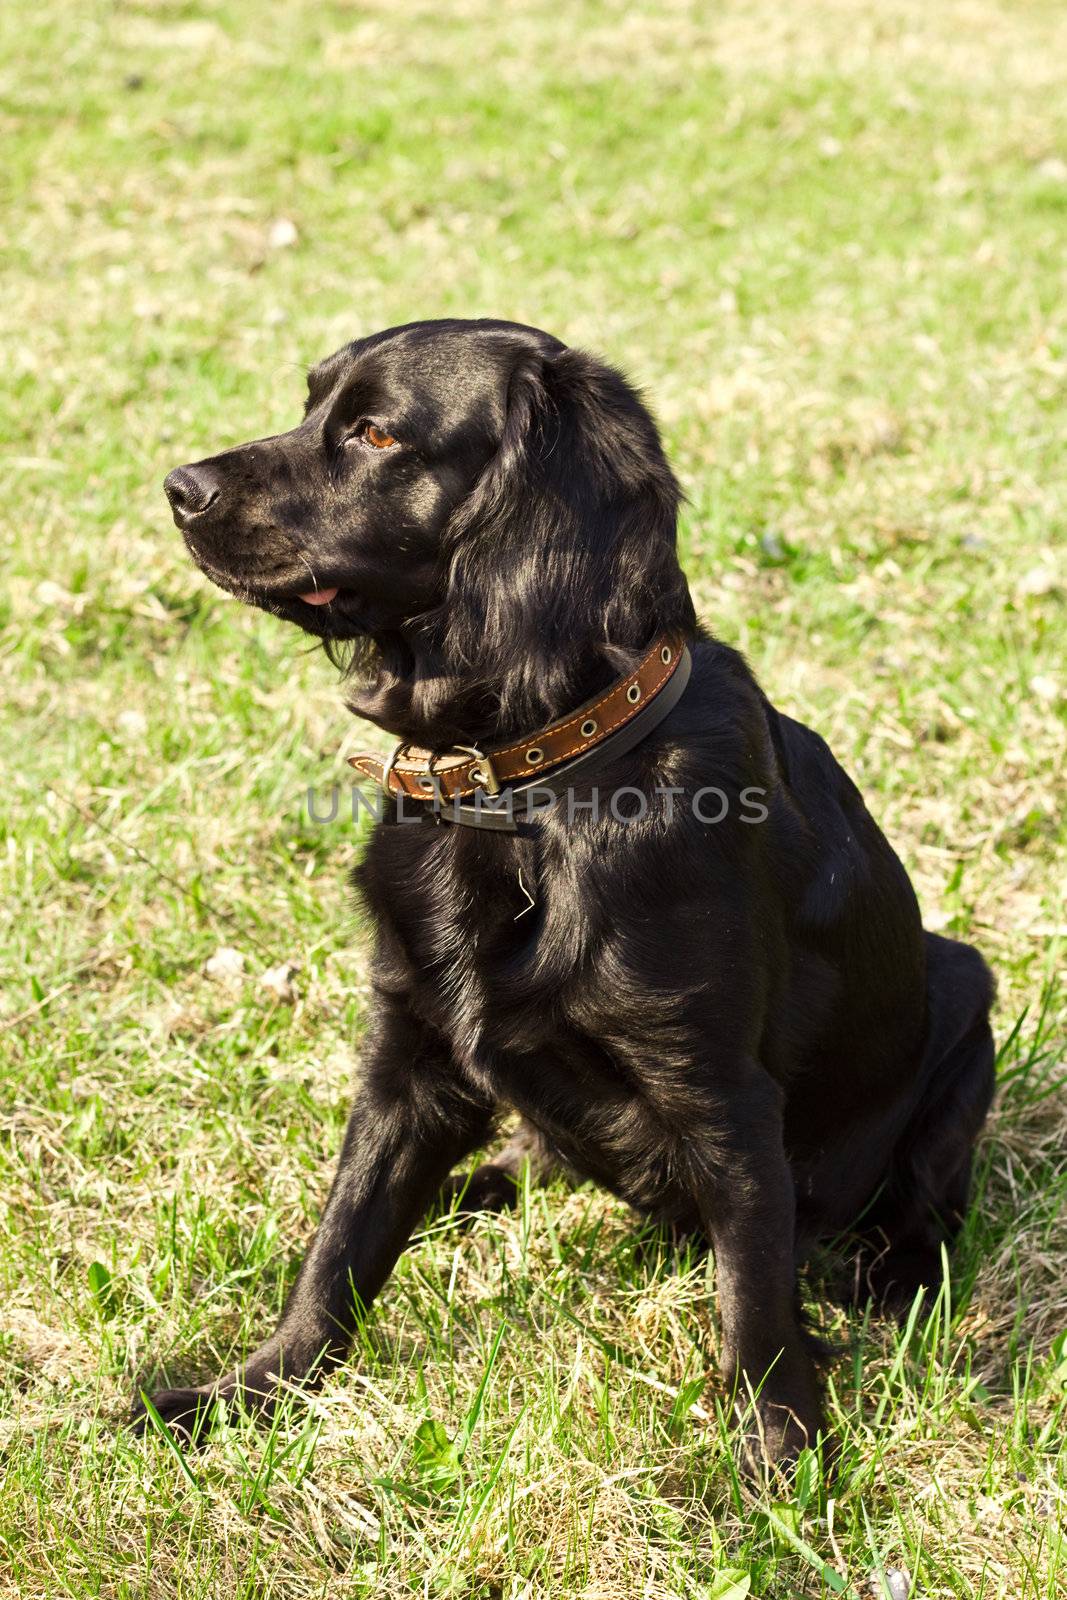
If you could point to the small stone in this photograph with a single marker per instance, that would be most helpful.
(177, 1020)
(1038, 581)
(50, 593)
(1045, 688)
(279, 981)
(132, 723)
(282, 234)
(1053, 167)
(226, 965)
(892, 1584)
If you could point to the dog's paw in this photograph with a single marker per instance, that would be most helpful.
(488, 1188)
(256, 1388)
(188, 1413)
(776, 1432)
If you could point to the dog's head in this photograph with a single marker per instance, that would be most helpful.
(472, 491)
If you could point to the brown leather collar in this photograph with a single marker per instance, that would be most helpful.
(464, 770)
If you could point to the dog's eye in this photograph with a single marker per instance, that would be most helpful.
(370, 433)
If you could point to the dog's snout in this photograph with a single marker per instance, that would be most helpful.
(191, 490)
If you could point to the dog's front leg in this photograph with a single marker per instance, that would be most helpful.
(411, 1121)
(744, 1189)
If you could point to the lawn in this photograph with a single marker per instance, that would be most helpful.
(828, 239)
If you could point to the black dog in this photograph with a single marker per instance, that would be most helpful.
(737, 1026)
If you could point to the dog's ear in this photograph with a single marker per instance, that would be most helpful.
(568, 537)
(572, 426)
(605, 424)
(499, 485)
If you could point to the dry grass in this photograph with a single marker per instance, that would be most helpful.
(829, 239)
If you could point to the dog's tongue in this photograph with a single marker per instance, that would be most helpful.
(319, 597)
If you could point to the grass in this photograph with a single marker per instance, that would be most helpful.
(828, 238)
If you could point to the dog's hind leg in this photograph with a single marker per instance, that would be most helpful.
(924, 1200)
(495, 1184)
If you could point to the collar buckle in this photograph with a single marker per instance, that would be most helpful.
(485, 774)
(390, 762)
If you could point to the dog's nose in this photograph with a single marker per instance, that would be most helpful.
(191, 490)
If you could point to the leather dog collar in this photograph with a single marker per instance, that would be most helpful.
(632, 706)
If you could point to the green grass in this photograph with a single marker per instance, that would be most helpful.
(828, 239)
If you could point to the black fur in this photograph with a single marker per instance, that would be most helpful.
(737, 1028)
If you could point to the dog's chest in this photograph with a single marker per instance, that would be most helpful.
(501, 952)
(484, 939)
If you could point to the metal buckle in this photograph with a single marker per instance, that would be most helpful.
(390, 762)
(487, 776)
